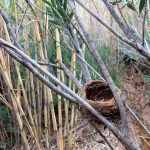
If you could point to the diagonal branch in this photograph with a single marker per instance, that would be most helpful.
(91, 46)
(29, 63)
(69, 74)
(130, 33)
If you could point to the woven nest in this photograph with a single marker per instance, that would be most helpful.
(99, 95)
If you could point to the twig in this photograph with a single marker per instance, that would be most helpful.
(143, 25)
(101, 134)
(70, 75)
(21, 21)
(138, 120)
(49, 64)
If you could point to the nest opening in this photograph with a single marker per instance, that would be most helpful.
(98, 91)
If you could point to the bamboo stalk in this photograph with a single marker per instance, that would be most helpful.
(24, 93)
(58, 57)
(14, 101)
(73, 63)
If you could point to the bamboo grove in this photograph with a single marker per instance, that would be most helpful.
(44, 48)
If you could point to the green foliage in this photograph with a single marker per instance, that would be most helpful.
(1, 4)
(141, 5)
(60, 12)
(3, 112)
(22, 71)
(130, 4)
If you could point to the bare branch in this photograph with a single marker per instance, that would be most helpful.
(28, 62)
(49, 64)
(142, 50)
(70, 75)
(98, 59)
(38, 75)
(143, 24)
(126, 29)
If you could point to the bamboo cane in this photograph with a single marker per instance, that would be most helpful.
(58, 57)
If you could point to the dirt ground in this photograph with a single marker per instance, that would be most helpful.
(89, 139)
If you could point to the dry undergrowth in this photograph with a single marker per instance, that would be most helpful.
(137, 91)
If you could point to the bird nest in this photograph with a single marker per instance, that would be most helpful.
(99, 95)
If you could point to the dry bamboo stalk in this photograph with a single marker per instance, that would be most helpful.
(42, 57)
(39, 85)
(16, 101)
(34, 125)
(46, 58)
(46, 112)
(58, 57)
(70, 144)
(39, 106)
(24, 94)
(3, 26)
(66, 126)
(30, 76)
(16, 106)
(31, 92)
(75, 111)
(5, 102)
(39, 99)
(27, 106)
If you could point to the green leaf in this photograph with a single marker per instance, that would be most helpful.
(47, 2)
(61, 12)
(71, 15)
(141, 6)
(131, 6)
(65, 4)
(56, 13)
(116, 2)
(61, 2)
(53, 4)
(54, 22)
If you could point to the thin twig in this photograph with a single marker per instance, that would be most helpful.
(143, 25)
(49, 64)
(70, 75)
(138, 120)
(101, 134)
(21, 21)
